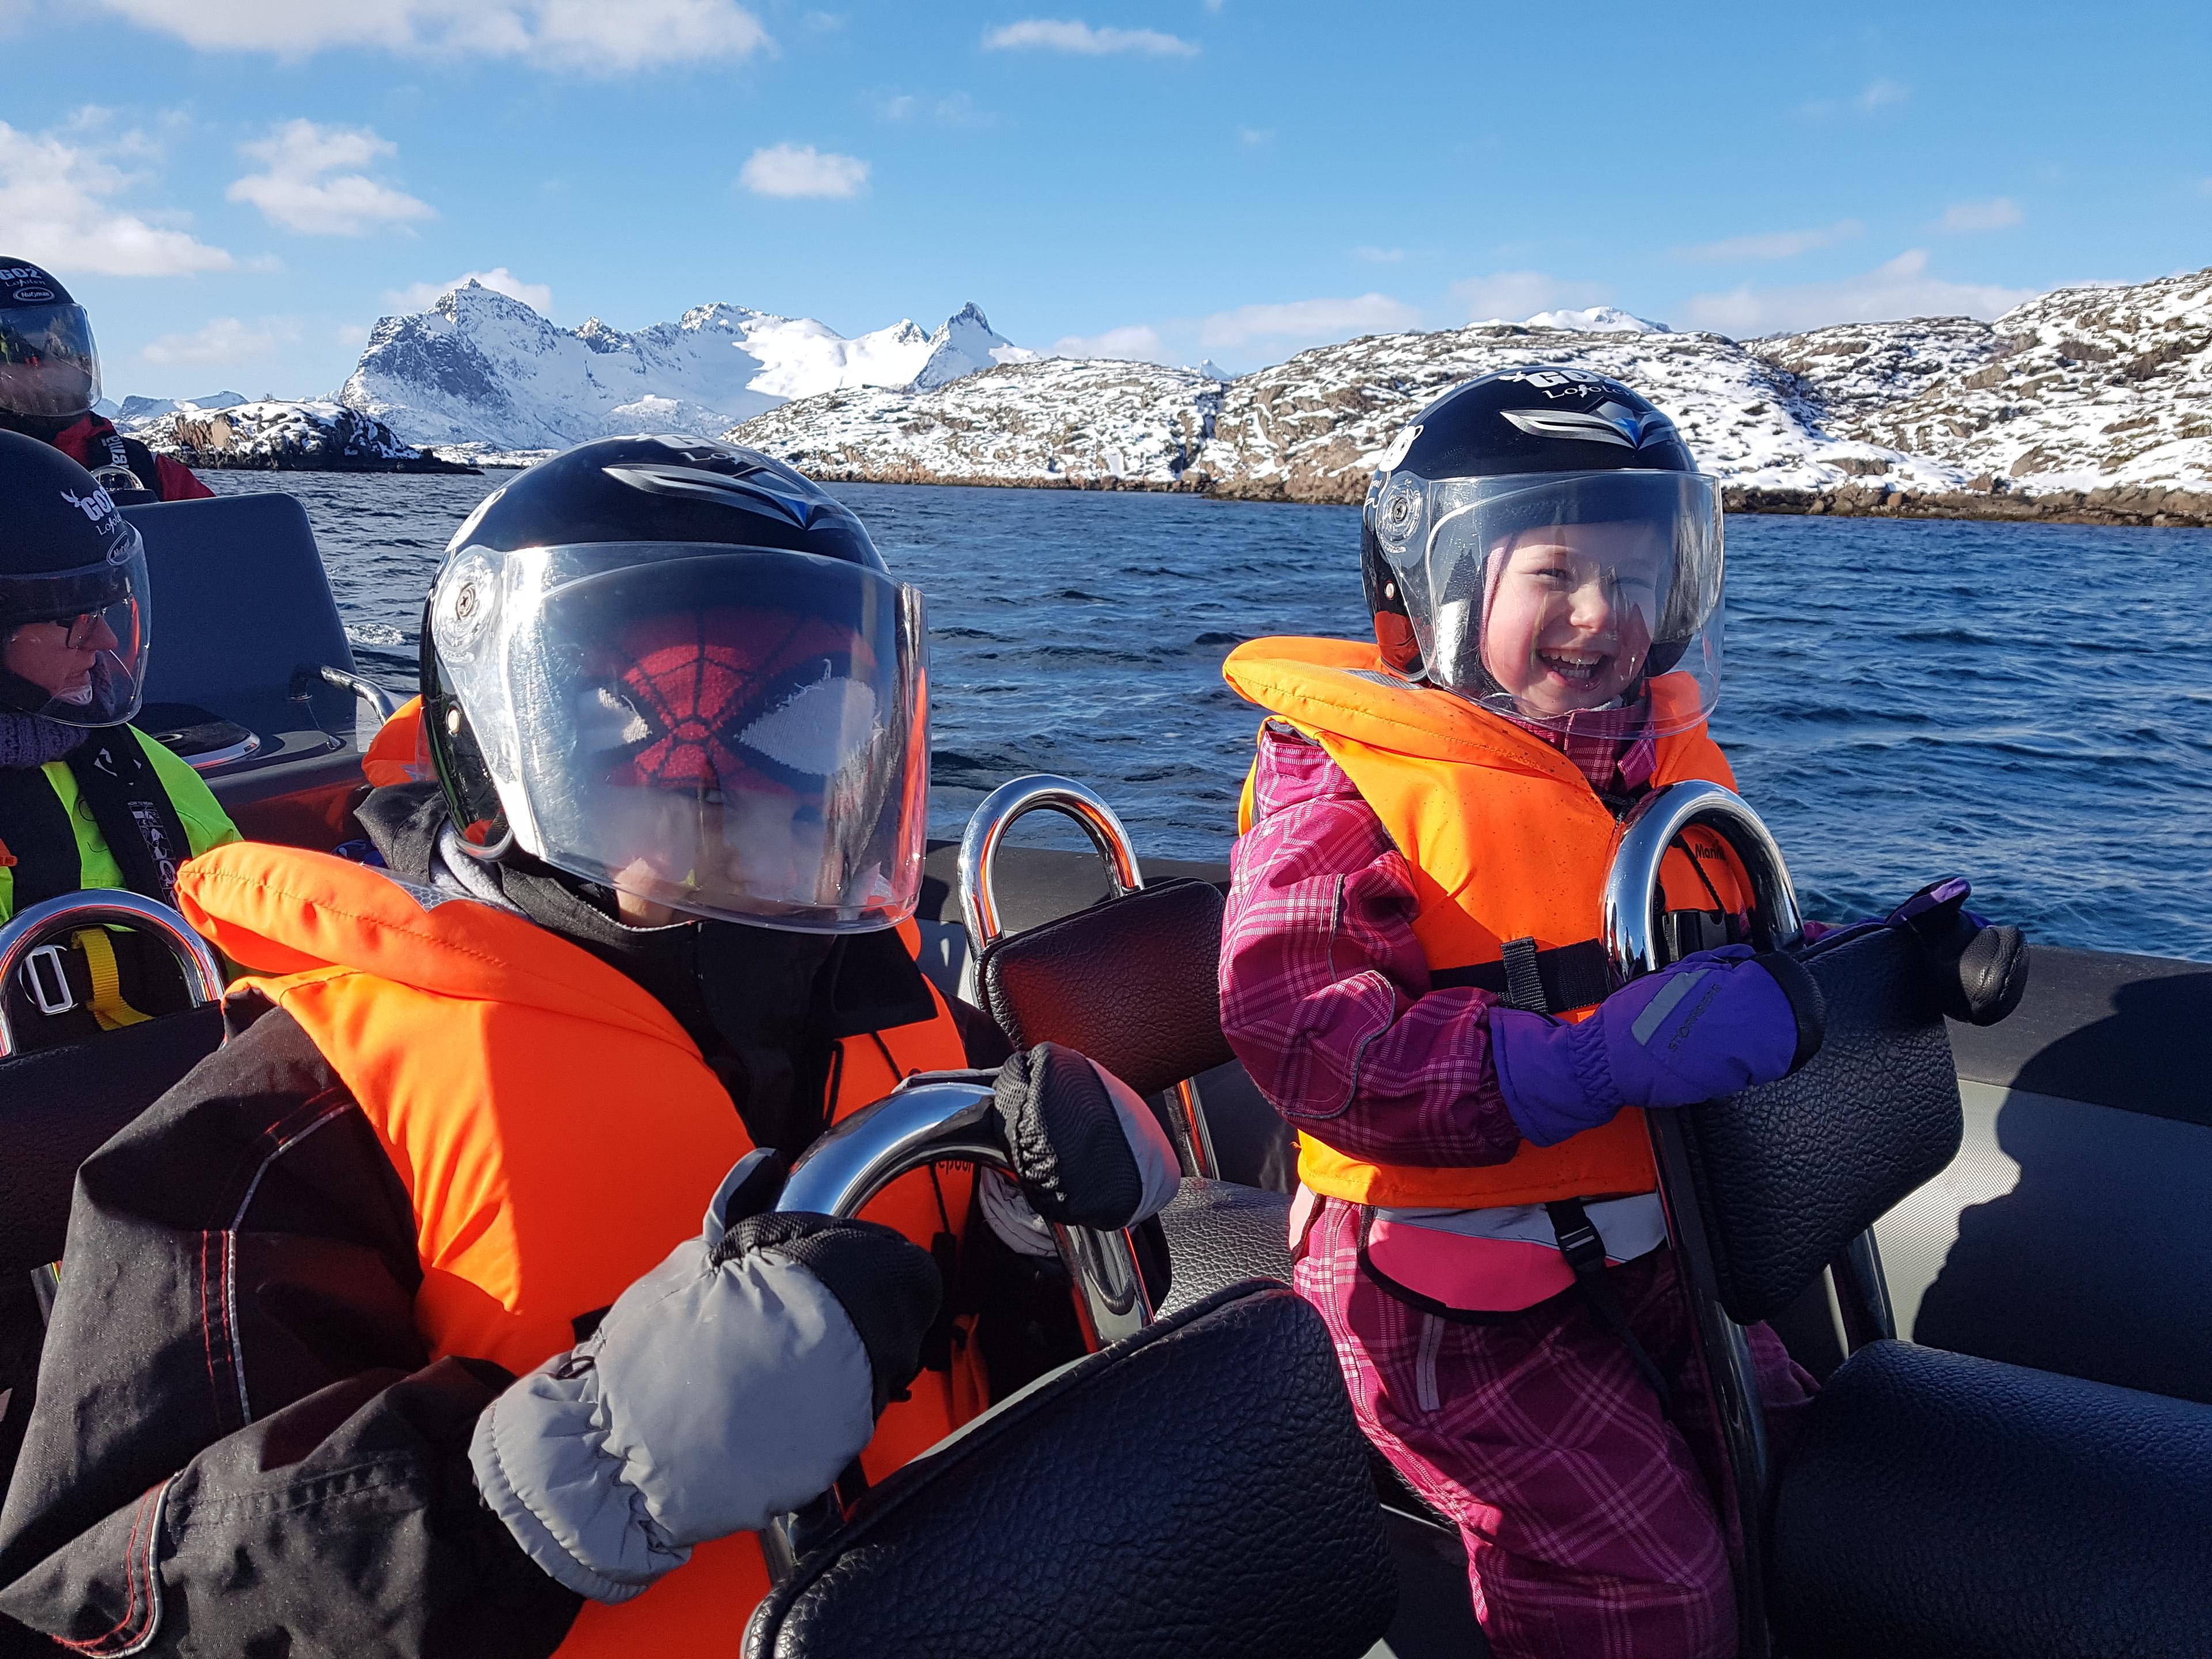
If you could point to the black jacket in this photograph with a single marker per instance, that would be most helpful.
(241, 1446)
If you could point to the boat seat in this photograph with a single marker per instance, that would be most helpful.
(1939, 1505)
(1932, 1504)
(1787, 1175)
(1197, 1489)
(1219, 1233)
(1133, 982)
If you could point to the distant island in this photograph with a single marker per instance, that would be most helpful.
(2085, 405)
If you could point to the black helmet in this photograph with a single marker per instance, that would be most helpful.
(1526, 462)
(74, 616)
(49, 366)
(681, 669)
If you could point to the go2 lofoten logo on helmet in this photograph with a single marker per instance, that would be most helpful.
(96, 504)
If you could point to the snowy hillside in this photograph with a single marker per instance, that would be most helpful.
(2087, 402)
(136, 413)
(482, 369)
(1104, 424)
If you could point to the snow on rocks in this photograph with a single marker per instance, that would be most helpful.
(480, 368)
(1077, 423)
(2089, 403)
(320, 436)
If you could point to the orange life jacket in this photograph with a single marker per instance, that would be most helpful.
(390, 756)
(557, 1133)
(1507, 841)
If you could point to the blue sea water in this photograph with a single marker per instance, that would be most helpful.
(2028, 704)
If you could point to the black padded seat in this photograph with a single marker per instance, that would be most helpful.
(1133, 982)
(1787, 1175)
(1197, 1491)
(1219, 1234)
(58, 1105)
(1130, 982)
(1941, 1506)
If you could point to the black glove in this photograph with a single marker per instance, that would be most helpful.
(1978, 972)
(1087, 1150)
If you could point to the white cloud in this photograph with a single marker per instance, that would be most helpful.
(1876, 95)
(1137, 341)
(2204, 186)
(1509, 296)
(1899, 288)
(1997, 214)
(420, 296)
(801, 170)
(1051, 34)
(1775, 244)
(352, 336)
(1254, 137)
(313, 183)
(1379, 256)
(223, 340)
(1307, 320)
(591, 36)
(954, 109)
(57, 207)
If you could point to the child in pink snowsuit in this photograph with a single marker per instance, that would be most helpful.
(1414, 905)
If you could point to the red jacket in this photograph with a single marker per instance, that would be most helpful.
(92, 442)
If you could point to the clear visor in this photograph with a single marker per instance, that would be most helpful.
(734, 732)
(1550, 596)
(48, 363)
(73, 642)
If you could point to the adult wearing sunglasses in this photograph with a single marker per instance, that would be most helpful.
(86, 800)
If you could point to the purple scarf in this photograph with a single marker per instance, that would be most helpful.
(27, 740)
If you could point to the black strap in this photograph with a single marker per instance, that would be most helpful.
(1585, 1255)
(137, 818)
(1524, 981)
(35, 828)
(1568, 976)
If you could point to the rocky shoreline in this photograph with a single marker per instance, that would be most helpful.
(2114, 504)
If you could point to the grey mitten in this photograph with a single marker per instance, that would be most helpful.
(731, 1383)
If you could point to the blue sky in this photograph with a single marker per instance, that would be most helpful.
(240, 188)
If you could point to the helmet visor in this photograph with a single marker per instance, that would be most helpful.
(73, 642)
(734, 732)
(1546, 596)
(48, 363)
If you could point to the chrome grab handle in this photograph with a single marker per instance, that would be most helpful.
(1633, 897)
(378, 705)
(942, 1119)
(987, 830)
(930, 1120)
(1633, 940)
(979, 902)
(20, 940)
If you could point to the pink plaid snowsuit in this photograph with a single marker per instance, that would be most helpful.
(1589, 1523)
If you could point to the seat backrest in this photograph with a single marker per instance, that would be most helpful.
(241, 601)
(1787, 1175)
(1197, 1491)
(58, 1105)
(1132, 983)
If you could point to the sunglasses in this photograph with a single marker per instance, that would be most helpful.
(79, 631)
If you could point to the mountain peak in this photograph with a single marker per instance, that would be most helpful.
(1596, 320)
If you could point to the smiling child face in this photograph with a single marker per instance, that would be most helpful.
(1568, 624)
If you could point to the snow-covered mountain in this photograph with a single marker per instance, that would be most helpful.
(135, 412)
(2086, 402)
(482, 369)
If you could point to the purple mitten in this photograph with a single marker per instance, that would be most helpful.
(1922, 907)
(1715, 1022)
